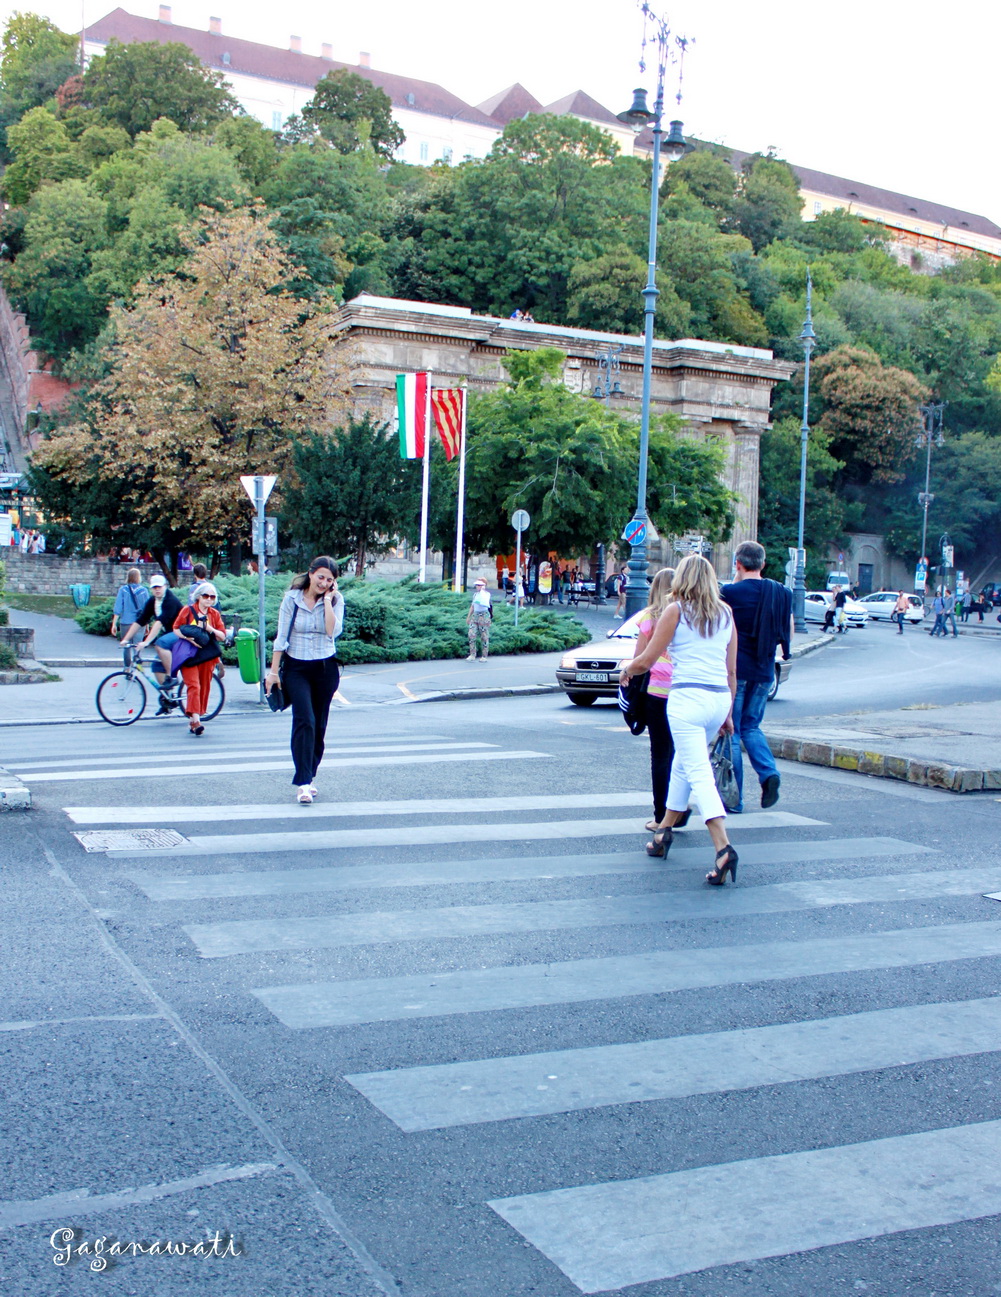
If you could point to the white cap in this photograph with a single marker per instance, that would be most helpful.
(159, 579)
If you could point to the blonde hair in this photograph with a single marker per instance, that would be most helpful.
(696, 589)
(660, 593)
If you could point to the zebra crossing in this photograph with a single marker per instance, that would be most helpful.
(625, 1229)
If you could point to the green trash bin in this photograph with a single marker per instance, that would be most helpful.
(247, 655)
(81, 595)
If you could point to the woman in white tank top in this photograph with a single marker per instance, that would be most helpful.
(699, 628)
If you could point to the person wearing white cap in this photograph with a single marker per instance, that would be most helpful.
(156, 619)
(478, 621)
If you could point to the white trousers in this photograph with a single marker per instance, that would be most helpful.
(695, 716)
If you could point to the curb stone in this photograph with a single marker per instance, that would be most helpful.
(14, 795)
(885, 765)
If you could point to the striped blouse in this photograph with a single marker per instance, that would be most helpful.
(309, 641)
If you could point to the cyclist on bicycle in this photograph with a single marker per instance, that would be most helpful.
(156, 620)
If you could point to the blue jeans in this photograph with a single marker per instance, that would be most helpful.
(748, 711)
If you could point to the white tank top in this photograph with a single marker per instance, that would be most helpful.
(700, 659)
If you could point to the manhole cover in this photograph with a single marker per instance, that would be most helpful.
(130, 839)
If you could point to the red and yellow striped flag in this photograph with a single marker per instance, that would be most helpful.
(446, 406)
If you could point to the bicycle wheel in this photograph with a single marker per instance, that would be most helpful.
(217, 696)
(121, 698)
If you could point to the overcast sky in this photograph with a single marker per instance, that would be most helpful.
(888, 94)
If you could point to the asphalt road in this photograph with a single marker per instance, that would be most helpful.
(874, 669)
(629, 1082)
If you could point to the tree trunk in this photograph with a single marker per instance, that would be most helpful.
(170, 573)
(361, 554)
(235, 555)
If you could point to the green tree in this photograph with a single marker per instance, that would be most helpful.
(42, 150)
(768, 205)
(66, 226)
(828, 515)
(870, 412)
(134, 85)
(709, 178)
(351, 492)
(350, 112)
(605, 294)
(36, 59)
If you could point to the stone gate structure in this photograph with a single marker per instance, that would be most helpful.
(719, 391)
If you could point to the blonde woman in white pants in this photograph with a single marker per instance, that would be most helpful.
(699, 629)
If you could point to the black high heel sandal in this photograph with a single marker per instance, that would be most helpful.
(726, 860)
(661, 843)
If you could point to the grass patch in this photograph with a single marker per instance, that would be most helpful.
(388, 621)
(8, 659)
(53, 605)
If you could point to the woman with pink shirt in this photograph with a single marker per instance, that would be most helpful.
(661, 743)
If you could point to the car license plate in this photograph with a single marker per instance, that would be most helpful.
(592, 677)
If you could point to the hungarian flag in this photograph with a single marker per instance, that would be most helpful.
(446, 406)
(412, 404)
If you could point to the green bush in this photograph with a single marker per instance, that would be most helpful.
(95, 618)
(4, 617)
(8, 661)
(387, 621)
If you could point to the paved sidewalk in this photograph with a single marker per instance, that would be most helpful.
(953, 747)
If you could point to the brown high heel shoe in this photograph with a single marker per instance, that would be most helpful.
(661, 843)
(726, 860)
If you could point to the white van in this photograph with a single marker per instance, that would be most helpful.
(841, 579)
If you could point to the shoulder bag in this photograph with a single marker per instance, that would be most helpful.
(721, 760)
(632, 698)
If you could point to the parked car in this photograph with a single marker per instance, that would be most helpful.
(880, 606)
(818, 602)
(592, 672)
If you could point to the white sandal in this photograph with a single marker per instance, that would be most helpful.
(305, 797)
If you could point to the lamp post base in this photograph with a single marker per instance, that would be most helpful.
(637, 585)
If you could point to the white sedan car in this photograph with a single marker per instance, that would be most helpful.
(880, 606)
(818, 602)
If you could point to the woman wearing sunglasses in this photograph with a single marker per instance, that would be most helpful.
(201, 623)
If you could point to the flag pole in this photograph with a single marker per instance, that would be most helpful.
(425, 489)
(459, 584)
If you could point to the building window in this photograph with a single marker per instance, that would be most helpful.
(424, 150)
(446, 156)
(276, 121)
(816, 209)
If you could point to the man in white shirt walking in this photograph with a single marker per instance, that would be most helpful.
(478, 621)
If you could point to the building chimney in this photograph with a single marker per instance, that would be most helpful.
(364, 59)
(165, 13)
(295, 44)
(215, 26)
(326, 51)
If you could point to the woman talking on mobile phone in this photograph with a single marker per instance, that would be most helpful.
(309, 620)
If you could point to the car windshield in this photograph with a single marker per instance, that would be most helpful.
(629, 629)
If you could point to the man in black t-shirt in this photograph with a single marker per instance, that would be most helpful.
(762, 613)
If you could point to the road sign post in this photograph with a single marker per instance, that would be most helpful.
(258, 489)
(519, 521)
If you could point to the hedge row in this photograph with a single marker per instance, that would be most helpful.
(387, 621)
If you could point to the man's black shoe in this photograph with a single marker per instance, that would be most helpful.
(769, 791)
(164, 708)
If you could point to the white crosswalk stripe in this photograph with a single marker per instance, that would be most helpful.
(622, 1230)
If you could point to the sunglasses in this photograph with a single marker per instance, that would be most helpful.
(208, 596)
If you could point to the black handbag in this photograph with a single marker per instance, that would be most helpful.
(632, 698)
(278, 699)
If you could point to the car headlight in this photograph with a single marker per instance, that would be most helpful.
(568, 663)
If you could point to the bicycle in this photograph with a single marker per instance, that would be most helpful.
(122, 696)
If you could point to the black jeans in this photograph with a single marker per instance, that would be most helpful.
(661, 752)
(309, 686)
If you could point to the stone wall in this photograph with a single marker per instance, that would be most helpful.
(54, 574)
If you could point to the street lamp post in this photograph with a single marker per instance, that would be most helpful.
(931, 419)
(809, 340)
(673, 147)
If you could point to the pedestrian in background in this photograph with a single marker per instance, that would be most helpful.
(130, 600)
(478, 621)
(310, 618)
(762, 613)
(621, 583)
(202, 618)
(949, 613)
(899, 609)
(938, 607)
(699, 631)
(200, 573)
